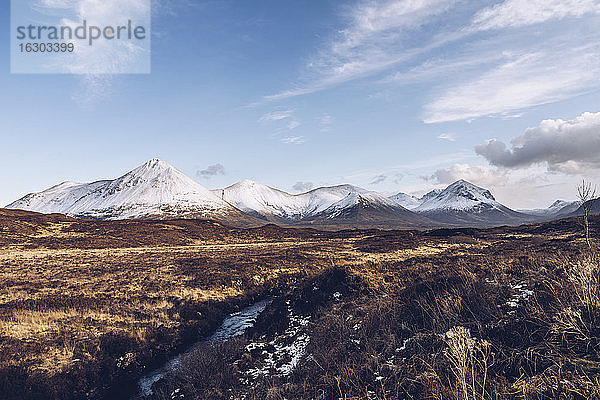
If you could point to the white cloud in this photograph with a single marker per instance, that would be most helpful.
(438, 67)
(530, 187)
(567, 146)
(293, 140)
(57, 4)
(479, 175)
(471, 75)
(378, 179)
(447, 136)
(293, 125)
(211, 171)
(517, 13)
(284, 121)
(277, 115)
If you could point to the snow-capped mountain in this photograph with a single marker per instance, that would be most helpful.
(406, 200)
(460, 196)
(592, 205)
(430, 195)
(318, 200)
(411, 202)
(257, 199)
(557, 209)
(368, 210)
(465, 204)
(157, 190)
(154, 190)
(275, 205)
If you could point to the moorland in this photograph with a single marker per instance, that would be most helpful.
(88, 307)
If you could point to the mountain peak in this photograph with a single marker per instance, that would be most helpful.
(406, 200)
(468, 190)
(157, 163)
(459, 196)
(248, 183)
(558, 203)
(151, 169)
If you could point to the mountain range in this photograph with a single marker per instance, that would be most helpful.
(157, 190)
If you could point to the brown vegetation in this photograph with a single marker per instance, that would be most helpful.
(87, 306)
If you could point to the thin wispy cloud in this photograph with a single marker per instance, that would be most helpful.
(293, 140)
(441, 67)
(276, 116)
(378, 179)
(528, 80)
(326, 122)
(372, 40)
(478, 61)
(382, 178)
(518, 13)
(447, 137)
(293, 125)
(284, 121)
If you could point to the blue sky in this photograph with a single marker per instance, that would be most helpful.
(391, 95)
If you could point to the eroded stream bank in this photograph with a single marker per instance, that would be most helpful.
(267, 340)
(234, 325)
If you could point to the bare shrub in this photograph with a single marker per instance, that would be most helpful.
(584, 274)
(470, 360)
(579, 312)
(586, 193)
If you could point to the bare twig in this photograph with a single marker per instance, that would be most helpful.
(586, 193)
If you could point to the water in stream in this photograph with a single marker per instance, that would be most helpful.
(234, 325)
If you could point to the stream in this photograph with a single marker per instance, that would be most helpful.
(234, 325)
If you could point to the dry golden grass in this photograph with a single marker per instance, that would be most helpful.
(69, 288)
(76, 296)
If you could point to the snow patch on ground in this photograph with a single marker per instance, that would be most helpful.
(281, 355)
(522, 294)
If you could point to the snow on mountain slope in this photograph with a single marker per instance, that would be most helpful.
(464, 204)
(558, 208)
(593, 207)
(430, 195)
(460, 196)
(57, 199)
(261, 200)
(406, 200)
(368, 210)
(320, 199)
(154, 190)
(157, 190)
(372, 200)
